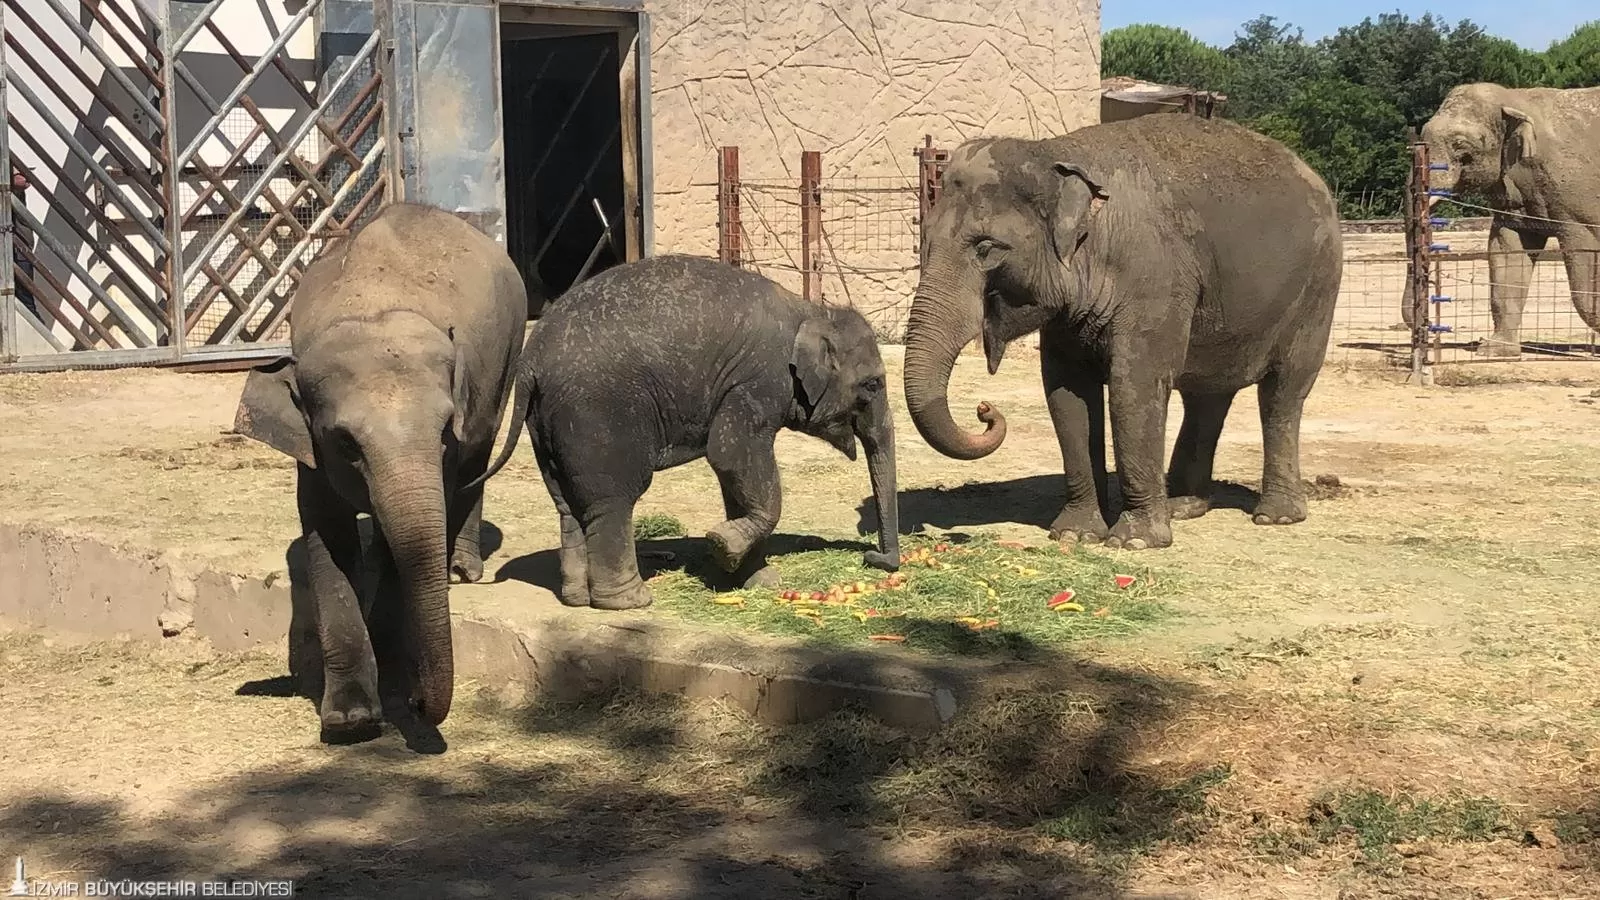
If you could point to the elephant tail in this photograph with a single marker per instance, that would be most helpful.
(519, 415)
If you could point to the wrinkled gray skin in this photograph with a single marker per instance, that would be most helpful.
(1534, 153)
(659, 362)
(1154, 253)
(405, 338)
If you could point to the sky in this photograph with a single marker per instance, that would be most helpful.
(1531, 23)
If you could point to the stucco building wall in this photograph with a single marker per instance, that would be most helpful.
(862, 82)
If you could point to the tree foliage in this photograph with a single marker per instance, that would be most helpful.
(1344, 102)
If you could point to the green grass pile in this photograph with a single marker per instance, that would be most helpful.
(983, 596)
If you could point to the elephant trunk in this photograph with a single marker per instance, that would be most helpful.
(408, 499)
(878, 441)
(945, 316)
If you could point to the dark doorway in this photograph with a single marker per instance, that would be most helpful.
(562, 112)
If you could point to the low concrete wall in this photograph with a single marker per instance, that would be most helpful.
(79, 586)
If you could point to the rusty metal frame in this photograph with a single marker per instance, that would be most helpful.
(730, 230)
(811, 223)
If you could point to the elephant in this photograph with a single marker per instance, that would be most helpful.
(658, 362)
(404, 339)
(1534, 154)
(1150, 254)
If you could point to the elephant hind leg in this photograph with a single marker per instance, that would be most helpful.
(601, 475)
(1282, 398)
(1195, 453)
(574, 553)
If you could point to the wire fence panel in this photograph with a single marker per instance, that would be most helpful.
(869, 241)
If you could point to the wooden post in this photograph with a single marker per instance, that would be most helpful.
(729, 227)
(1419, 240)
(632, 206)
(811, 223)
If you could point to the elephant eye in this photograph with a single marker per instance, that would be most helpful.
(983, 248)
(872, 385)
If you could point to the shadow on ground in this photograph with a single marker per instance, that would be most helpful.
(1029, 792)
(1033, 500)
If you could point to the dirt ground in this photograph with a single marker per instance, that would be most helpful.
(1394, 698)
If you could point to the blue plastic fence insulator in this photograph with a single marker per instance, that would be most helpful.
(1437, 329)
(1438, 223)
(1441, 299)
(1439, 248)
(1439, 167)
(1440, 192)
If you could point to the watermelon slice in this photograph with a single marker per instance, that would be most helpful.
(1125, 580)
(1061, 598)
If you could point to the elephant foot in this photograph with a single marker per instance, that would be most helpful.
(1280, 509)
(764, 577)
(635, 596)
(1189, 507)
(574, 598)
(1135, 531)
(728, 546)
(466, 566)
(351, 711)
(885, 562)
(1498, 347)
(1079, 526)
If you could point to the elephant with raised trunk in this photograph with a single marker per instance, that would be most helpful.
(1534, 154)
(404, 343)
(655, 363)
(1150, 254)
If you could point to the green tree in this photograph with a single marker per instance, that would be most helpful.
(1162, 55)
(1268, 62)
(1353, 136)
(1575, 61)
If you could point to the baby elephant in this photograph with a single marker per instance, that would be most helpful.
(404, 349)
(656, 363)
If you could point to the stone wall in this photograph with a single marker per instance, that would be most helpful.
(862, 82)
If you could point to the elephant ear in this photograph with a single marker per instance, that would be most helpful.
(270, 411)
(1080, 197)
(813, 361)
(460, 388)
(1518, 145)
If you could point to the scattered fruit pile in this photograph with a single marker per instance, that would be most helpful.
(808, 605)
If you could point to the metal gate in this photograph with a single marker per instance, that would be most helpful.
(174, 165)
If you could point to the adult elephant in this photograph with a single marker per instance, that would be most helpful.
(1154, 253)
(1534, 153)
(404, 341)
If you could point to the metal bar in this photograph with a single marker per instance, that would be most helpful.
(90, 43)
(133, 169)
(65, 295)
(300, 132)
(366, 163)
(52, 306)
(605, 237)
(576, 193)
(146, 302)
(8, 291)
(177, 278)
(49, 240)
(156, 356)
(175, 46)
(290, 29)
(151, 46)
(41, 328)
(810, 221)
(728, 225)
(1419, 237)
(83, 155)
(628, 85)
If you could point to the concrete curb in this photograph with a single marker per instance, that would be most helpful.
(84, 587)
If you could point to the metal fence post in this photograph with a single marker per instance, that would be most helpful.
(930, 168)
(1419, 240)
(729, 227)
(172, 183)
(811, 222)
(8, 296)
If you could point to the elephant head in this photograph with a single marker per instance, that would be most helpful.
(378, 408)
(839, 396)
(1004, 252)
(1486, 139)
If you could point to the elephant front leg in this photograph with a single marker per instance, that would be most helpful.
(752, 499)
(1076, 398)
(1510, 270)
(1195, 454)
(1138, 432)
(350, 709)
